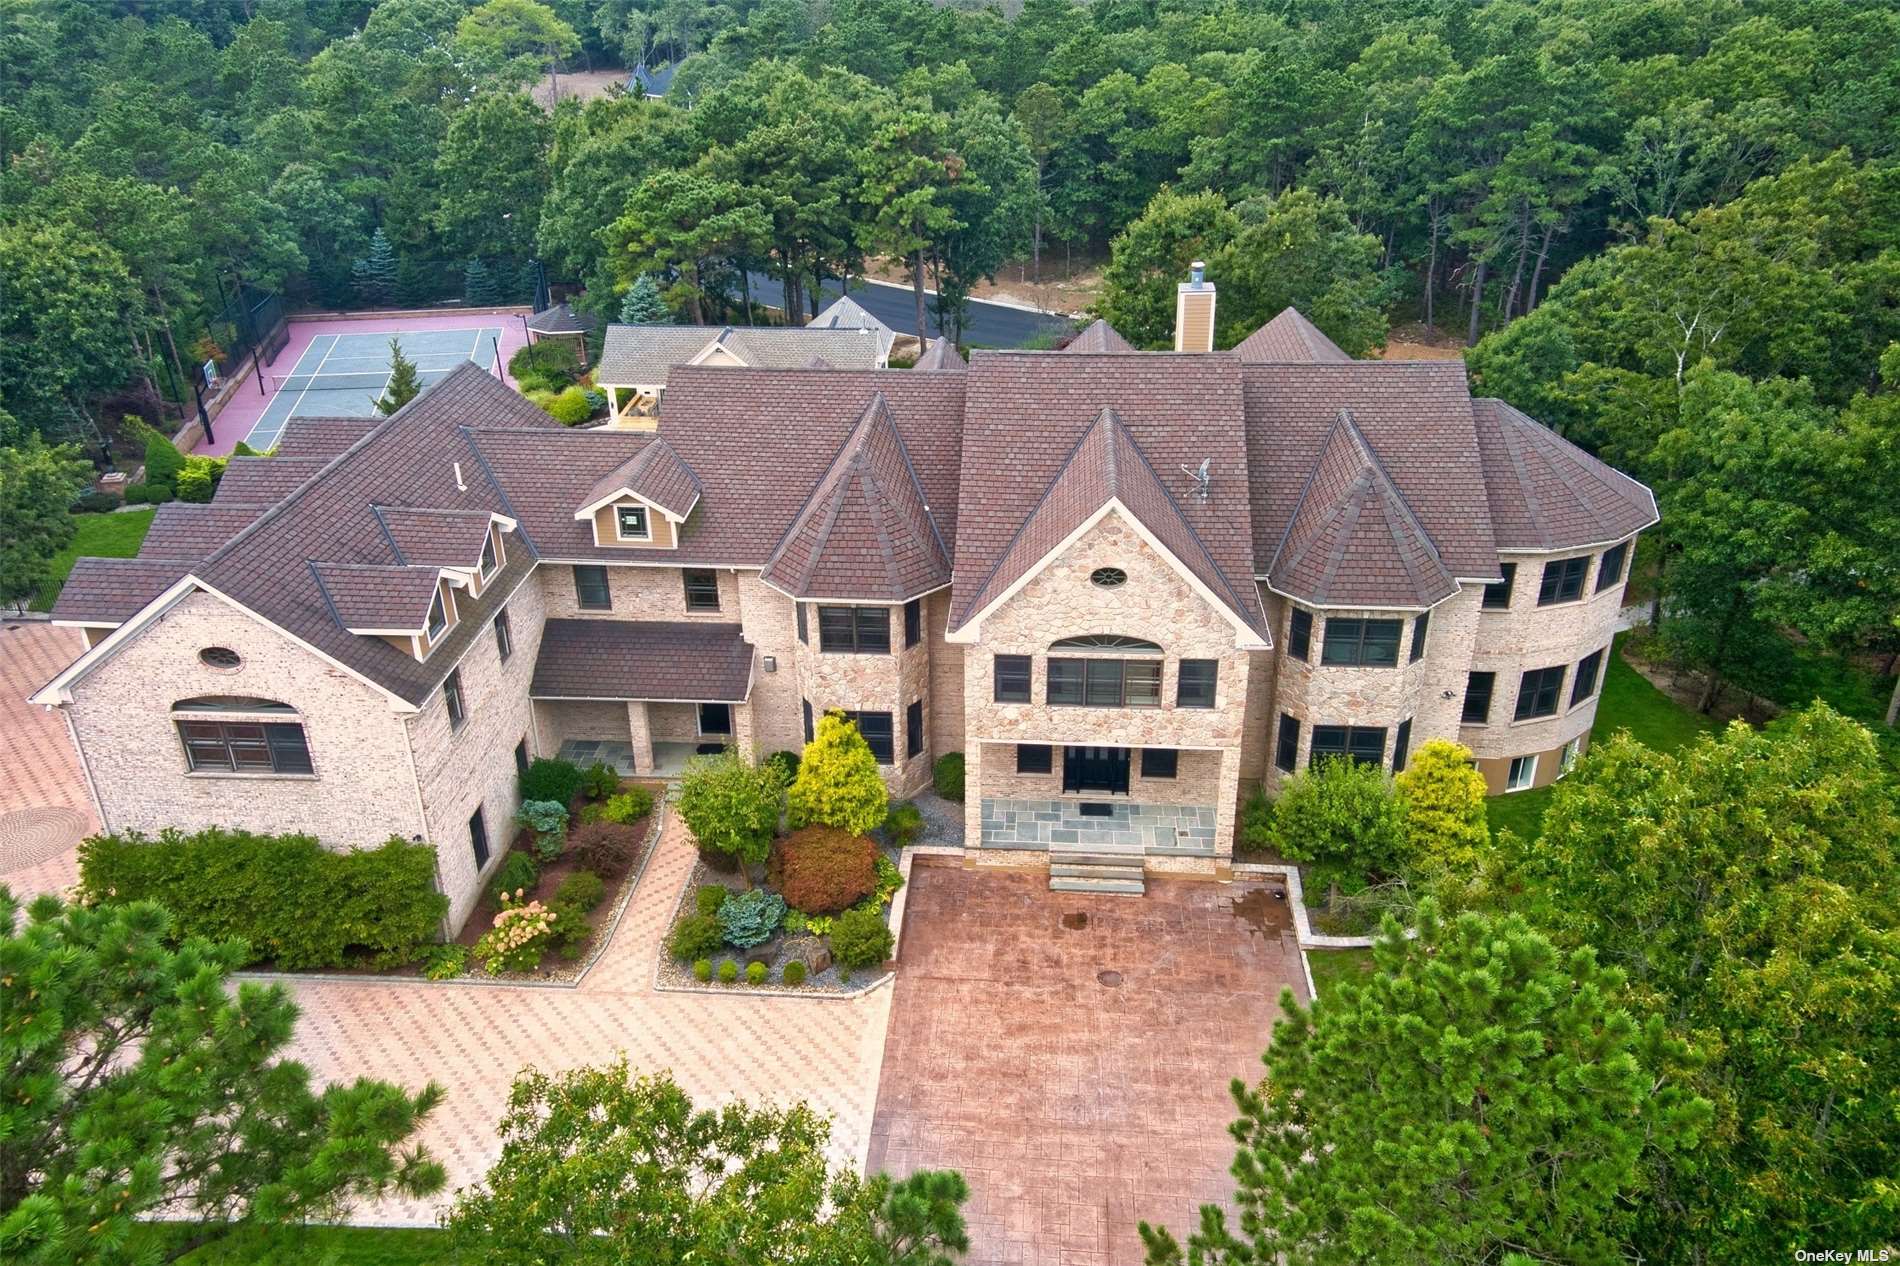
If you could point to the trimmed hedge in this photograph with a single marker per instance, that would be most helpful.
(551, 779)
(292, 901)
(946, 776)
(823, 869)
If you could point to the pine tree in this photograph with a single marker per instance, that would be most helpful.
(1480, 1094)
(135, 1078)
(479, 288)
(838, 783)
(643, 305)
(375, 275)
(404, 385)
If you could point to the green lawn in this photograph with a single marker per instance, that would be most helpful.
(100, 536)
(334, 1245)
(1630, 703)
(1331, 966)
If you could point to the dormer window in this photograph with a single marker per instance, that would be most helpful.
(438, 615)
(631, 523)
(489, 559)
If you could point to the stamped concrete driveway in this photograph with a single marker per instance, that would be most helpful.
(1071, 1054)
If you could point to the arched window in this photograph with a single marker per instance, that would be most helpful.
(1101, 643)
(247, 743)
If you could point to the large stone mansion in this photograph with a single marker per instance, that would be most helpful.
(1130, 587)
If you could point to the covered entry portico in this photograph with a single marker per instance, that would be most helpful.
(642, 695)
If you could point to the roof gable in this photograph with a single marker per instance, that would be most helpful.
(942, 356)
(1548, 494)
(1098, 336)
(1290, 337)
(866, 531)
(1353, 541)
(435, 538)
(648, 355)
(368, 599)
(656, 475)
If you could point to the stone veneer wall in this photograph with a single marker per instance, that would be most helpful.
(474, 767)
(946, 678)
(1197, 779)
(1155, 603)
(362, 791)
(871, 683)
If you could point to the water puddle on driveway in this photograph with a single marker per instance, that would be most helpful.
(1263, 913)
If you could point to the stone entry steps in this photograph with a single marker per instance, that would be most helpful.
(1096, 872)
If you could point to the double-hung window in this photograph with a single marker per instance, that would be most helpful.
(1353, 642)
(1012, 679)
(1419, 625)
(854, 630)
(1299, 634)
(702, 589)
(914, 728)
(1194, 684)
(1401, 745)
(1497, 595)
(1105, 683)
(1286, 747)
(590, 588)
(1563, 580)
(876, 729)
(452, 699)
(913, 621)
(1586, 683)
(504, 636)
(249, 747)
(1034, 758)
(631, 523)
(1538, 692)
(438, 615)
(1362, 743)
(1478, 688)
(1160, 762)
(1610, 570)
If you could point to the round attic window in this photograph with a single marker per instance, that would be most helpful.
(1108, 577)
(220, 657)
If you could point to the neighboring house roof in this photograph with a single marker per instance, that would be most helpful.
(370, 598)
(943, 357)
(321, 437)
(1414, 415)
(1026, 413)
(654, 474)
(1098, 336)
(183, 530)
(435, 538)
(846, 313)
(650, 82)
(1289, 337)
(561, 319)
(867, 530)
(265, 480)
(112, 590)
(1546, 493)
(1352, 540)
(645, 355)
(654, 660)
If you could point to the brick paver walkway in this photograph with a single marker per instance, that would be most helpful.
(1076, 1103)
(38, 768)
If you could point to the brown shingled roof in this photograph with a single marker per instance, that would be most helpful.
(435, 538)
(323, 437)
(383, 599)
(1098, 336)
(1545, 492)
(181, 529)
(1026, 413)
(112, 590)
(1352, 540)
(942, 356)
(866, 531)
(655, 473)
(1289, 337)
(678, 660)
(265, 480)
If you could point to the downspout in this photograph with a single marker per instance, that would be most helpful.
(85, 768)
(422, 813)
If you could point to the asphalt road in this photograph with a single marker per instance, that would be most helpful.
(988, 324)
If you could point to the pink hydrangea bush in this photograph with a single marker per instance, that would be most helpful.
(521, 934)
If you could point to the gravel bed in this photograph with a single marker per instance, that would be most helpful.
(943, 819)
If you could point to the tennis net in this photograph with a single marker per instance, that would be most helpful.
(328, 382)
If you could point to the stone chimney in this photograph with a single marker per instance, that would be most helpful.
(1194, 311)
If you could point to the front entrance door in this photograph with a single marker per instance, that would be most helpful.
(1104, 769)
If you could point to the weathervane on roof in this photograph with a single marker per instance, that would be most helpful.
(1201, 477)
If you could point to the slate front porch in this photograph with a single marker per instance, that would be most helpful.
(1054, 825)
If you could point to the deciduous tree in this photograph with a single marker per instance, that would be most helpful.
(731, 807)
(37, 483)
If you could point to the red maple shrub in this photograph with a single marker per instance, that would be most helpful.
(822, 869)
(605, 848)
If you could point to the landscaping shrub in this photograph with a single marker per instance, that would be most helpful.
(604, 847)
(199, 479)
(822, 870)
(538, 393)
(548, 820)
(731, 808)
(596, 400)
(520, 935)
(793, 973)
(947, 776)
(1256, 822)
(749, 918)
(798, 922)
(517, 873)
(1342, 817)
(552, 359)
(784, 764)
(1441, 800)
(149, 494)
(838, 783)
(291, 900)
(755, 973)
(728, 972)
(583, 888)
(570, 408)
(549, 779)
(905, 823)
(629, 806)
(444, 962)
(570, 930)
(710, 897)
(163, 461)
(702, 970)
(695, 936)
(95, 501)
(860, 938)
(599, 780)
(889, 879)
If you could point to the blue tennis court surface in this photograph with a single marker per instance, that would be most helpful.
(343, 375)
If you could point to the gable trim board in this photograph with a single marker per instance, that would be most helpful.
(1245, 638)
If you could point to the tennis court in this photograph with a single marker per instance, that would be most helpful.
(334, 366)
